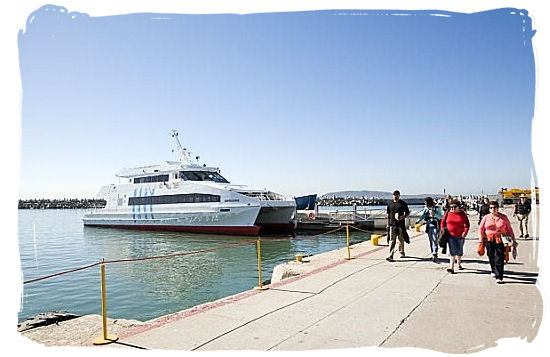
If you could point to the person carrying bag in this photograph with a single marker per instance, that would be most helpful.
(443, 234)
(494, 232)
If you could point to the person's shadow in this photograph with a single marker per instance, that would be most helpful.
(511, 277)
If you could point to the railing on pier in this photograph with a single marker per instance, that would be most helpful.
(355, 216)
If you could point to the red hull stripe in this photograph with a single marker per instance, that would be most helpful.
(233, 230)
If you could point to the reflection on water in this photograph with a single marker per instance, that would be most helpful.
(149, 288)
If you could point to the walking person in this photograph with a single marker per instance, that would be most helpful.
(457, 224)
(493, 227)
(446, 203)
(432, 217)
(483, 209)
(397, 211)
(521, 212)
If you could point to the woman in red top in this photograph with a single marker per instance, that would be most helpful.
(491, 229)
(458, 224)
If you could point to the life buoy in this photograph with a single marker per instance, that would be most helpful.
(311, 215)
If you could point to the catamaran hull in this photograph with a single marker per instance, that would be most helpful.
(276, 218)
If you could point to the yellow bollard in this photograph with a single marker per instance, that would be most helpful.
(417, 227)
(299, 258)
(347, 234)
(105, 339)
(374, 238)
(259, 253)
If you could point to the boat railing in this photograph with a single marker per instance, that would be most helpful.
(264, 196)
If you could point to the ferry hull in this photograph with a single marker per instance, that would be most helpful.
(229, 230)
(233, 220)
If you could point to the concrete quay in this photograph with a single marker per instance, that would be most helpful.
(365, 302)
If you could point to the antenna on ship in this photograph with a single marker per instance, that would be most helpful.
(183, 153)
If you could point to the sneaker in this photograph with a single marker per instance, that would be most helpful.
(450, 270)
(389, 259)
(460, 267)
(402, 255)
(521, 236)
(493, 275)
(527, 236)
(499, 281)
(434, 258)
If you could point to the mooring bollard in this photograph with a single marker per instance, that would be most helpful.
(259, 253)
(347, 234)
(374, 238)
(105, 339)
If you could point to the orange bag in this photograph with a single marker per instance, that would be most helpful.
(481, 249)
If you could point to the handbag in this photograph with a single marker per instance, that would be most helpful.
(443, 233)
(506, 239)
(481, 249)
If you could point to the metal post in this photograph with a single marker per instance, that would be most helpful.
(347, 234)
(259, 254)
(105, 339)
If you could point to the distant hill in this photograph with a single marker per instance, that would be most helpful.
(379, 194)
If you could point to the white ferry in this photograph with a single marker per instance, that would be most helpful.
(185, 196)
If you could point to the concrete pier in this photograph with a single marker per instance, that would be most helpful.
(368, 301)
(365, 302)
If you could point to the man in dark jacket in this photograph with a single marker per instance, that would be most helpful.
(397, 211)
(521, 211)
(483, 209)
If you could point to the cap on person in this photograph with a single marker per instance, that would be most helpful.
(396, 193)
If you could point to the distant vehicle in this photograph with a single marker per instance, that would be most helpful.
(513, 195)
(183, 196)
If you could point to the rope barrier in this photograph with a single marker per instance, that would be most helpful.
(305, 237)
(178, 254)
(359, 229)
(61, 273)
(110, 338)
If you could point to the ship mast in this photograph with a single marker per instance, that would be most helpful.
(183, 153)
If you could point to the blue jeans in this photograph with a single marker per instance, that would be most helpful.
(455, 246)
(433, 237)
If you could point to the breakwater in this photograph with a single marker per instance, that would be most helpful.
(73, 203)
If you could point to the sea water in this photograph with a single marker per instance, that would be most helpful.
(53, 241)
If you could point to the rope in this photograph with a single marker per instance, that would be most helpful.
(61, 273)
(180, 254)
(359, 229)
(305, 237)
(172, 255)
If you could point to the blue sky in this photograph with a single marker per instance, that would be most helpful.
(299, 102)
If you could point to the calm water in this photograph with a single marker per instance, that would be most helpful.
(51, 241)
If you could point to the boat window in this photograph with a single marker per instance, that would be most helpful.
(157, 178)
(171, 199)
(202, 176)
